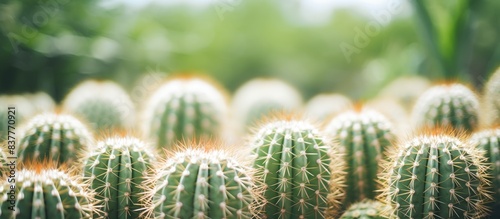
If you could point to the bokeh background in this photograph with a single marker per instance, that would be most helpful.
(351, 47)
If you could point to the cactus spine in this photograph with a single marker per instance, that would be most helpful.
(292, 159)
(366, 209)
(54, 137)
(115, 170)
(437, 176)
(103, 104)
(201, 183)
(452, 105)
(363, 137)
(46, 193)
(183, 109)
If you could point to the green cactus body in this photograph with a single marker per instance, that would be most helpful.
(202, 184)
(363, 137)
(366, 209)
(115, 170)
(184, 109)
(489, 142)
(102, 104)
(452, 105)
(437, 176)
(292, 159)
(491, 100)
(57, 138)
(49, 193)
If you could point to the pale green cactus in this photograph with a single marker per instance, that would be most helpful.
(367, 209)
(324, 106)
(491, 100)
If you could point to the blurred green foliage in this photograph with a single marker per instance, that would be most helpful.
(51, 45)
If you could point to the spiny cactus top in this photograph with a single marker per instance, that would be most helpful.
(58, 138)
(452, 105)
(259, 97)
(491, 100)
(182, 109)
(437, 176)
(363, 137)
(323, 106)
(116, 169)
(103, 104)
(299, 178)
(366, 209)
(200, 183)
(46, 193)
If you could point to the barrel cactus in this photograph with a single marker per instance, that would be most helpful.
(184, 108)
(102, 104)
(452, 105)
(437, 176)
(55, 137)
(323, 106)
(491, 100)
(201, 183)
(363, 135)
(115, 170)
(46, 193)
(367, 209)
(299, 170)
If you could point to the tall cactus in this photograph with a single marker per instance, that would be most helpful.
(102, 104)
(437, 176)
(201, 183)
(452, 105)
(299, 170)
(46, 193)
(116, 169)
(184, 108)
(367, 209)
(363, 136)
(56, 137)
(491, 100)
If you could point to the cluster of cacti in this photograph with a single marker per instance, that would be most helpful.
(201, 183)
(103, 105)
(298, 169)
(53, 137)
(366, 209)
(116, 169)
(452, 105)
(46, 193)
(324, 106)
(363, 136)
(184, 108)
(491, 100)
(437, 176)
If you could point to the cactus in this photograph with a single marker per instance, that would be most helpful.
(394, 112)
(489, 141)
(405, 90)
(116, 169)
(363, 136)
(491, 100)
(46, 193)
(42, 102)
(436, 176)
(184, 108)
(299, 178)
(258, 98)
(324, 106)
(367, 209)
(201, 183)
(23, 111)
(4, 169)
(451, 105)
(102, 104)
(59, 138)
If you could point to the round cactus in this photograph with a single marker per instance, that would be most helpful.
(184, 108)
(58, 138)
(363, 136)
(116, 169)
(491, 100)
(103, 104)
(46, 193)
(451, 105)
(394, 112)
(201, 183)
(41, 102)
(324, 106)
(299, 178)
(405, 90)
(437, 176)
(366, 209)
